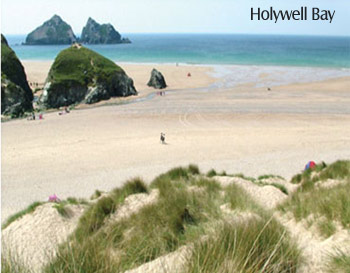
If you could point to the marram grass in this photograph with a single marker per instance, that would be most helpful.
(188, 209)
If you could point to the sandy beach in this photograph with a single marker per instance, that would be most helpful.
(238, 128)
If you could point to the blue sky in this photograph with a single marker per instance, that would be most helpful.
(175, 16)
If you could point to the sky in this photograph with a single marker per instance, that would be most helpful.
(173, 16)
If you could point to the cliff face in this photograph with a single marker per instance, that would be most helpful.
(80, 75)
(16, 95)
(94, 33)
(53, 32)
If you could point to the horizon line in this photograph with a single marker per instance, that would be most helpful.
(210, 33)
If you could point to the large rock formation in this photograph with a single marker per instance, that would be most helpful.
(94, 33)
(157, 80)
(80, 75)
(53, 32)
(16, 95)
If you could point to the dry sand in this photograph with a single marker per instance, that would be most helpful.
(34, 238)
(240, 129)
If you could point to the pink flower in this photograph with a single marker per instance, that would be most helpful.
(54, 198)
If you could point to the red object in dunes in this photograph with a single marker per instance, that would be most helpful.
(310, 165)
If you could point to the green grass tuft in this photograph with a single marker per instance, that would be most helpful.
(239, 199)
(62, 206)
(94, 217)
(223, 173)
(31, 208)
(267, 176)
(211, 173)
(62, 209)
(76, 201)
(340, 263)
(326, 228)
(212, 187)
(281, 187)
(240, 175)
(175, 174)
(193, 169)
(253, 246)
(96, 195)
(178, 173)
(11, 264)
(338, 170)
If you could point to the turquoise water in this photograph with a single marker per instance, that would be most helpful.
(305, 51)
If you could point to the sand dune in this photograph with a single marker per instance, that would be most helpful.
(267, 196)
(35, 236)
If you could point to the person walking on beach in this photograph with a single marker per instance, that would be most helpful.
(162, 138)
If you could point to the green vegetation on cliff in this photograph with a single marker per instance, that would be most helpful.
(82, 75)
(81, 65)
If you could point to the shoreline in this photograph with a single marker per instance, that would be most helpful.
(219, 71)
(206, 64)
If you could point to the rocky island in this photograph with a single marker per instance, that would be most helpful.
(53, 32)
(16, 95)
(94, 33)
(80, 75)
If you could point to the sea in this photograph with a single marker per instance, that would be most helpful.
(211, 49)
